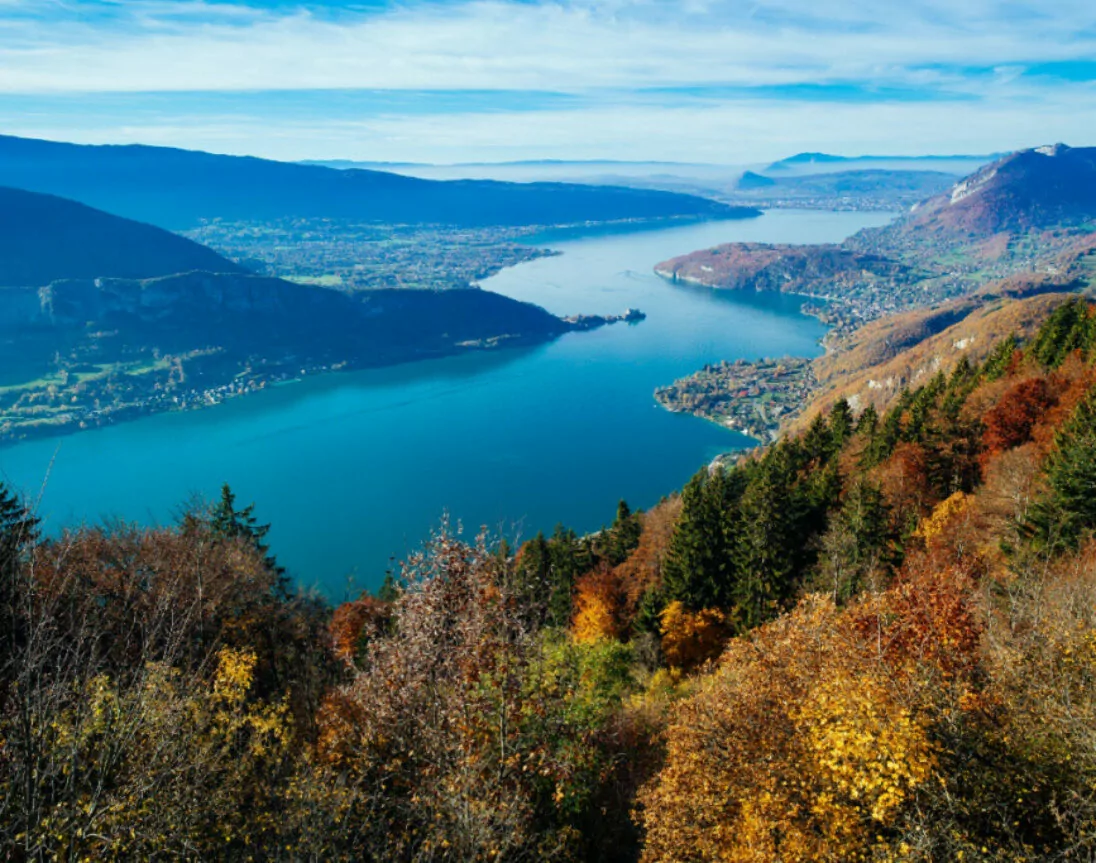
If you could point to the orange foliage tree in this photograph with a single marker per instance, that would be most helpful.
(798, 748)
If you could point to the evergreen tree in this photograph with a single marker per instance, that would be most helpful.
(227, 522)
(1000, 358)
(817, 443)
(531, 581)
(568, 558)
(765, 544)
(19, 531)
(841, 424)
(1070, 327)
(623, 536)
(953, 441)
(699, 570)
(868, 423)
(1068, 511)
(855, 545)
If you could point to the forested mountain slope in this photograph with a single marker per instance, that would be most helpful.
(44, 239)
(1016, 215)
(870, 641)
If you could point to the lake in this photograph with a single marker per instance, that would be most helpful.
(353, 470)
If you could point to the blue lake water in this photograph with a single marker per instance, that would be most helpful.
(354, 470)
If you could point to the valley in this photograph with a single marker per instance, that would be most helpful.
(391, 448)
(1022, 227)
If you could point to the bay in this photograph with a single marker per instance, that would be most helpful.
(354, 470)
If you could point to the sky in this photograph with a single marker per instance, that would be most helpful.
(716, 81)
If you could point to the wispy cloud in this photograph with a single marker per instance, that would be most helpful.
(583, 70)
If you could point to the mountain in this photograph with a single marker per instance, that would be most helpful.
(825, 163)
(859, 188)
(1037, 189)
(765, 267)
(44, 239)
(1034, 209)
(103, 318)
(750, 180)
(178, 189)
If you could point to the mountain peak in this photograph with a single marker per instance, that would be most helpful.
(1038, 188)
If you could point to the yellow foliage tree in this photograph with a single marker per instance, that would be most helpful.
(598, 608)
(691, 638)
(942, 515)
(797, 748)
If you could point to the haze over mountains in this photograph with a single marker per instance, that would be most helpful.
(988, 256)
(986, 217)
(178, 189)
(815, 180)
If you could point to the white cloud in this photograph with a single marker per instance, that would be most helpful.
(488, 45)
(607, 51)
(733, 132)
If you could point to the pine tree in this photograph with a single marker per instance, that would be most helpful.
(997, 363)
(699, 571)
(841, 426)
(1069, 328)
(1068, 510)
(855, 544)
(531, 581)
(765, 544)
(19, 531)
(227, 522)
(623, 536)
(817, 443)
(568, 558)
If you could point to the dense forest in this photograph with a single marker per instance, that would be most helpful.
(875, 640)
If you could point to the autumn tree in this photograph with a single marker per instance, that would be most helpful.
(1009, 423)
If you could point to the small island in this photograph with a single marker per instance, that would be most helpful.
(748, 397)
(592, 322)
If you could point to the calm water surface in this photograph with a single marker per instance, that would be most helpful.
(353, 470)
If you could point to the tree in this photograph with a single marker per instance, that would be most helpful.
(599, 607)
(691, 638)
(765, 544)
(1070, 327)
(841, 426)
(1068, 509)
(797, 748)
(1009, 423)
(854, 547)
(227, 522)
(623, 537)
(699, 571)
(19, 532)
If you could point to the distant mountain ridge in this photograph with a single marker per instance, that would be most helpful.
(178, 189)
(103, 318)
(816, 163)
(1040, 188)
(44, 239)
(946, 247)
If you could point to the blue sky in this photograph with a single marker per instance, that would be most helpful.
(725, 81)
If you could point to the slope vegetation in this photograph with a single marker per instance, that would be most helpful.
(44, 238)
